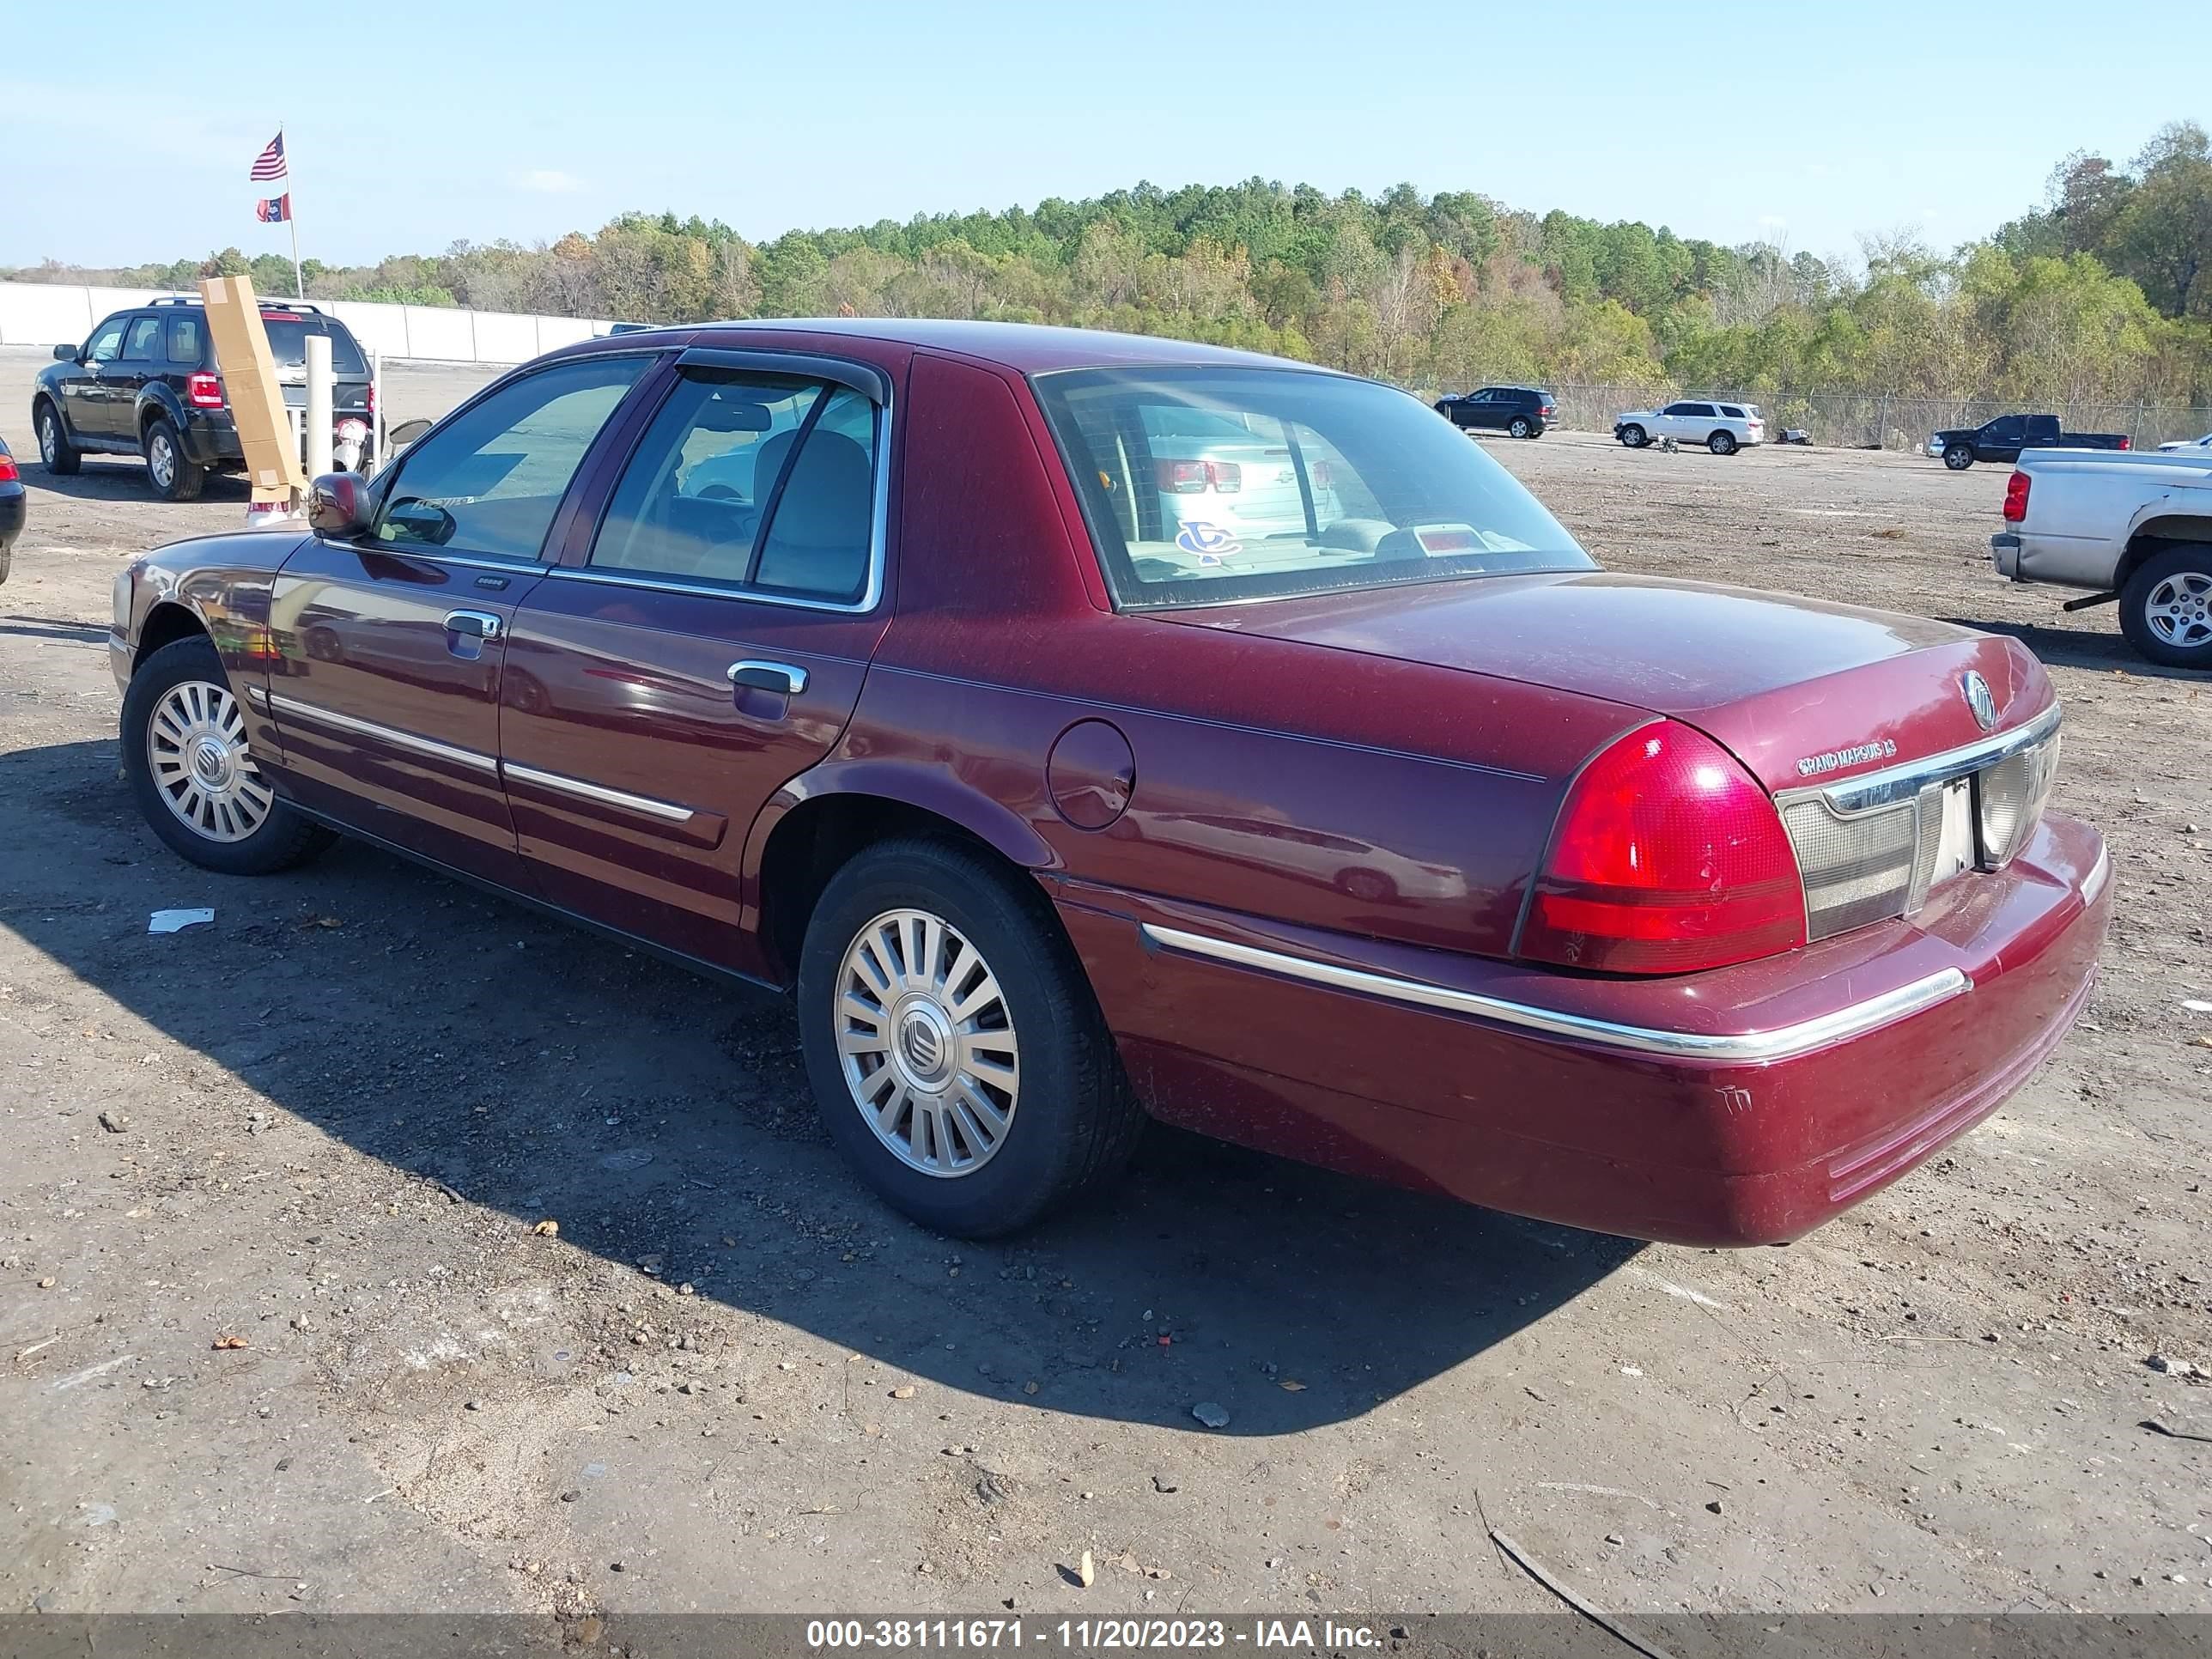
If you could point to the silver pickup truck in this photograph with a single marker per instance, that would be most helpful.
(2135, 529)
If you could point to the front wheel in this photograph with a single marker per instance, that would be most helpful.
(1958, 457)
(1722, 443)
(1634, 437)
(55, 448)
(957, 1057)
(1519, 427)
(186, 755)
(174, 476)
(2165, 610)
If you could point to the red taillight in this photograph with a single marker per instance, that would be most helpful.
(1194, 477)
(2015, 506)
(2127, 443)
(8, 473)
(1667, 858)
(203, 390)
(372, 396)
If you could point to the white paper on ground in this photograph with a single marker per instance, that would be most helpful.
(171, 921)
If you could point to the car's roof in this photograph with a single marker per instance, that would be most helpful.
(1030, 348)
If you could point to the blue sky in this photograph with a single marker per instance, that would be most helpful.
(1803, 120)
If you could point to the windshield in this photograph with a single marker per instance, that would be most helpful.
(1204, 486)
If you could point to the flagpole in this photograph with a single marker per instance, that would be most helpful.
(291, 218)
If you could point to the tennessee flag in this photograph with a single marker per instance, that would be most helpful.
(275, 211)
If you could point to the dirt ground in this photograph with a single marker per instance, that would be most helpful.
(328, 1125)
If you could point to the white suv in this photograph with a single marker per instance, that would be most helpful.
(1722, 428)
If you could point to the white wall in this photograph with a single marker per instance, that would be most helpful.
(51, 314)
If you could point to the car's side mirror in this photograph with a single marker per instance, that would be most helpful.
(64, 354)
(338, 505)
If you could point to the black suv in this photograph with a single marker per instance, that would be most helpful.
(1521, 411)
(145, 384)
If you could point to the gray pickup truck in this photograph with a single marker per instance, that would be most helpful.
(2135, 529)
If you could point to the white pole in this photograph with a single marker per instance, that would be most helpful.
(299, 284)
(376, 397)
(319, 404)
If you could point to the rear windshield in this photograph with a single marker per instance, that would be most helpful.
(1203, 486)
(287, 342)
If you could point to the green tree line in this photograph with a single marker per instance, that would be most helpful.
(2104, 293)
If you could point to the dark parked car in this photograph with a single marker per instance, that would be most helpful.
(145, 383)
(12, 507)
(1521, 411)
(1405, 840)
(2002, 439)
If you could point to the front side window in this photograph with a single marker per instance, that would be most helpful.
(2006, 427)
(143, 342)
(1203, 486)
(754, 482)
(106, 342)
(488, 482)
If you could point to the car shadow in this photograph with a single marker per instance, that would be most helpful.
(664, 1120)
(2079, 647)
(122, 478)
(52, 627)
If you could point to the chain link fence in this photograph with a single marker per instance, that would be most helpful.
(1859, 420)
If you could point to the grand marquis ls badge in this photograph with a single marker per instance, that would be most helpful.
(1977, 692)
(1836, 759)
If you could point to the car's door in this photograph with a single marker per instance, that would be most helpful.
(385, 691)
(1691, 421)
(2000, 439)
(1491, 409)
(701, 645)
(85, 392)
(141, 359)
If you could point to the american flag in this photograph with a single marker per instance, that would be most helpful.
(275, 211)
(270, 164)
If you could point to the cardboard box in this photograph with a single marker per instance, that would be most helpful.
(250, 383)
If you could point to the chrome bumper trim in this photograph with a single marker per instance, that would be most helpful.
(1779, 1043)
(2100, 873)
(281, 706)
(1902, 782)
(667, 812)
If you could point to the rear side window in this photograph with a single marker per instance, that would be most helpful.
(1731, 411)
(488, 482)
(185, 343)
(821, 528)
(141, 341)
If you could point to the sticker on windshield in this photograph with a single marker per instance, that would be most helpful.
(1209, 541)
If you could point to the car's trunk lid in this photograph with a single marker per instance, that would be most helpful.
(1799, 689)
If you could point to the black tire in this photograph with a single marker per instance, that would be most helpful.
(1722, 443)
(2179, 580)
(1519, 427)
(1073, 1121)
(63, 459)
(1634, 437)
(1958, 457)
(173, 476)
(284, 838)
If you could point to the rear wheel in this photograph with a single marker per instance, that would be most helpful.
(1634, 437)
(2165, 610)
(1722, 443)
(956, 1055)
(1958, 457)
(186, 755)
(55, 448)
(174, 478)
(1519, 428)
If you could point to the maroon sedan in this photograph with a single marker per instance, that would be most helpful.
(1092, 727)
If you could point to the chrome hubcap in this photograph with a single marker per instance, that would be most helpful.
(50, 440)
(196, 748)
(926, 1042)
(159, 461)
(2180, 609)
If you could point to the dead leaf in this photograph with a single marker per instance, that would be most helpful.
(1085, 1571)
(223, 1342)
(547, 1230)
(904, 1391)
(322, 922)
(1292, 1385)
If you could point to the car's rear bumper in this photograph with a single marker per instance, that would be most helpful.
(1744, 1106)
(14, 507)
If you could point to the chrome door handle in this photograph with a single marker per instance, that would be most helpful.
(751, 673)
(476, 624)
